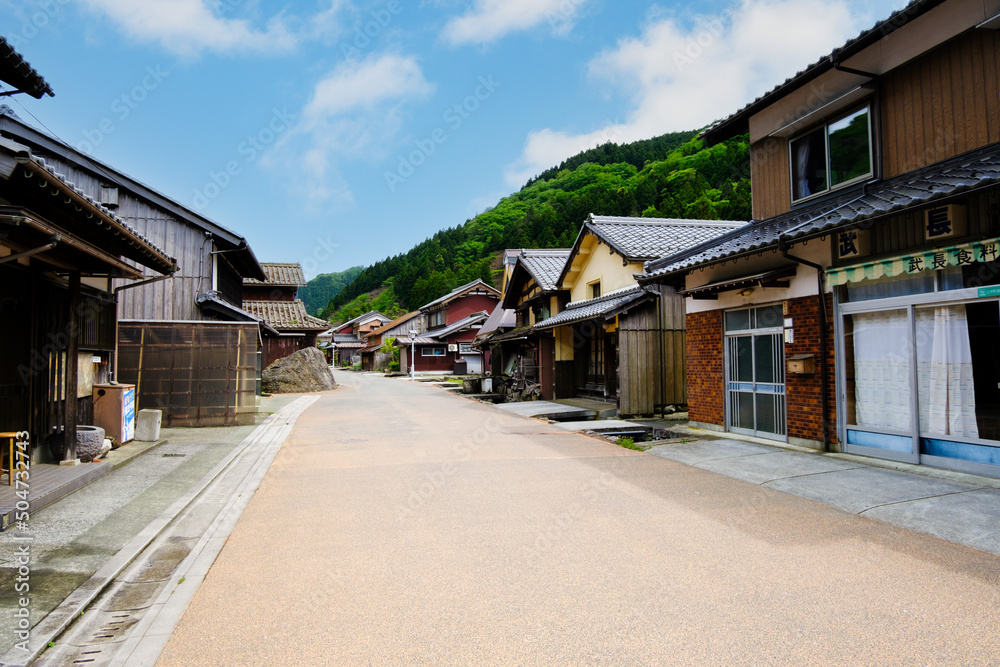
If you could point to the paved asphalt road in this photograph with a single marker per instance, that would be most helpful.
(400, 525)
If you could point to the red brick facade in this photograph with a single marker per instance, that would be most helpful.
(705, 369)
(804, 392)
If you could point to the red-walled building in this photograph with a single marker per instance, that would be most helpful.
(452, 324)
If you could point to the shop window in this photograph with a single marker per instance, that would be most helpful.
(956, 368)
(878, 370)
(832, 156)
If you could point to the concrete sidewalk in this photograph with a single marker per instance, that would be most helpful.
(73, 538)
(953, 506)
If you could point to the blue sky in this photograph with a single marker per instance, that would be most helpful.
(338, 132)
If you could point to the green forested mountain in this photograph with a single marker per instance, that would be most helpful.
(318, 291)
(673, 176)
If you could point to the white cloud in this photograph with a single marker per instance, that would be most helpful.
(490, 20)
(190, 27)
(365, 84)
(682, 76)
(357, 111)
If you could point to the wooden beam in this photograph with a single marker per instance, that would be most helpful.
(72, 366)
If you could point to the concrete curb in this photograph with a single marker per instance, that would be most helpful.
(60, 618)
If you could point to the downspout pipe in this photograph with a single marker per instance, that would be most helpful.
(823, 338)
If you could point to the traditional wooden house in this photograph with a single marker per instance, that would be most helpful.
(185, 342)
(452, 323)
(347, 339)
(860, 310)
(616, 340)
(372, 357)
(60, 251)
(275, 302)
(531, 294)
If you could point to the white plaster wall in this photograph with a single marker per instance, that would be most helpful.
(802, 284)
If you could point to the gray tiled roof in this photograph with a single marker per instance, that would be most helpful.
(638, 239)
(345, 340)
(975, 170)
(603, 305)
(545, 266)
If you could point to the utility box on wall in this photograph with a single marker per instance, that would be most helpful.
(114, 410)
(801, 364)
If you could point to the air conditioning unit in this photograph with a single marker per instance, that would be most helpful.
(453, 348)
(944, 222)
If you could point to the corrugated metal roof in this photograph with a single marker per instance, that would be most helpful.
(545, 265)
(283, 275)
(459, 291)
(610, 303)
(16, 71)
(285, 315)
(464, 323)
(500, 318)
(738, 123)
(972, 171)
(395, 323)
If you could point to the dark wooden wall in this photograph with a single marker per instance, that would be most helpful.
(943, 104)
(651, 355)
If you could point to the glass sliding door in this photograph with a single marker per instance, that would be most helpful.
(755, 372)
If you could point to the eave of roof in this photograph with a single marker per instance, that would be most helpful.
(15, 71)
(738, 123)
(246, 260)
(605, 306)
(136, 247)
(459, 291)
(972, 171)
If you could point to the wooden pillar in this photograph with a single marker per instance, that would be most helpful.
(72, 366)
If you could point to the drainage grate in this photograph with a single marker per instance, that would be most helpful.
(172, 456)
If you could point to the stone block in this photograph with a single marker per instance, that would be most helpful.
(147, 425)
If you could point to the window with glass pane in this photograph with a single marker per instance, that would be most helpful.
(809, 164)
(878, 370)
(831, 155)
(957, 370)
(850, 148)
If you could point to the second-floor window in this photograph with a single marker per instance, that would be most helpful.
(832, 155)
(435, 319)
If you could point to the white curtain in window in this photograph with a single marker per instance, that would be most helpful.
(802, 169)
(946, 391)
(882, 355)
